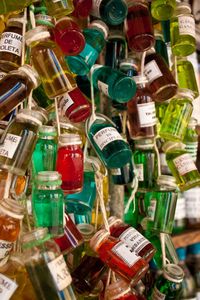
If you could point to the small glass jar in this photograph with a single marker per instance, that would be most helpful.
(191, 139)
(48, 61)
(11, 215)
(182, 30)
(180, 214)
(133, 238)
(162, 10)
(181, 165)
(45, 153)
(120, 290)
(119, 257)
(46, 266)
(141, 112)
(160, 80)
(138, 26)
(70, 163)
(192, 202)
(82, 8)
(177, 116)
(19, 139)
(59, 8)
(48, 202)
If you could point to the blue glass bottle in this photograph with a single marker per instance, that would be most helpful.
(95, 39)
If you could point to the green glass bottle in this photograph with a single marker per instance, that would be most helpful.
(181, 165)
(191, 139)
(162, 10)
(48, 202)
(45, 153)
(182, 30)
(177, 116)
(160, 45)
(180, 215)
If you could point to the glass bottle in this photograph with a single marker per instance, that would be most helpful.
(109, 144)
(123, 175)
(129, 66)
(181, 165)
(186, 75)
(162, 10)
(15, 87)
(11, 44)
(141, 112)
(7, 6)
(111, 12)
(168, 285)
(180, 214)
(161, 46)
(192, 199)
(182, 30)
(59, 8)
(48, 61)
(113, 83)
(68, 36)
(46, 266)
(82, 8)
(11, 215)
(133, 238)
(145, 160)
(119, 257)
(95, 40)
(41, 98)
(120, 290)
(160, 80)
(19, 140)
(48, 202)
(70, 163)
(177, 116)
(191, 139)
(44, 155)
(138, 26)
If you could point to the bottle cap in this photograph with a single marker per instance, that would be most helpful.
(173, 273)
(48, 176)
(140, 79)
(47, 131)
(192, 123)
(69, 139)
(186, 93)
(12, 208)
(172, 145)
(87, 230)
(98, 238)
(117, 289)
(183, 5)
(42, 112)
(100, 25)
(36, 34)
(167, 180)
(35, 234)
(35, 116)
(114, 220)
(144, 144)
(128, 63)
(32, 74)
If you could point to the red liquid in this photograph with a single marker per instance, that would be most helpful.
(82, 8)
(128, 297)
(69, 37)
(139, 28)
(70, 165)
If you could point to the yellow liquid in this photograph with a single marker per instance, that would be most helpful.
(60, 8)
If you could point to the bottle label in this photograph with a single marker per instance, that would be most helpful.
(125, 253)
(7, 287)
(95, 11)
(116, 171)
(192, 148)
(186, 25)
(5, 248)
(140, 171)
(192, 203)
(134, 239)
(103, 87)
(180, 212)
(60, 273)
(147, 114)
(184, 164)
(152, 209)
(9, 147)
(157, 295)
(106, 136)
(65, 103)
(152, 71)
(11, 42)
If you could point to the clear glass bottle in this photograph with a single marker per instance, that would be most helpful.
(95, 40)
(48, 61)
(45, 153)
(181, 165)
(59, 8)
(162, 10)
(177, 116)
(48, 202)
(138, 26)
(19, 140)
(192, 199)
(15, 87)
(191, 138)
(111, 12)
(46, 266)
(141, 112)
(182, 30)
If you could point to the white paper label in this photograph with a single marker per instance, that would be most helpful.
(192, 197)
(152, 209)
(60, 273)
(103, 87)
(180, 212)
(147, 114)
(95, 8)
(157, 295)
(135, 240)
(140, 171)
(192, 148)
(7, 287)
(8, 148)
(152, 71)
(106, 136)
(184, 164)
(5, 248)
(116, 171)
(125, 253)
(186, 25)
(65, 103)
(11, 42)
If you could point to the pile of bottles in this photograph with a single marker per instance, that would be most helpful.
(97, 95)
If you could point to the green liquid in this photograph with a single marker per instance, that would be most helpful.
(162, 10)
(171, 290)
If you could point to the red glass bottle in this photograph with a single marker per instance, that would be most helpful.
(75, 106)
(82, 8)
(133, 238)
(68, 36)
(138, 26)
(70, 163)
(119, 256)
(120, 290)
